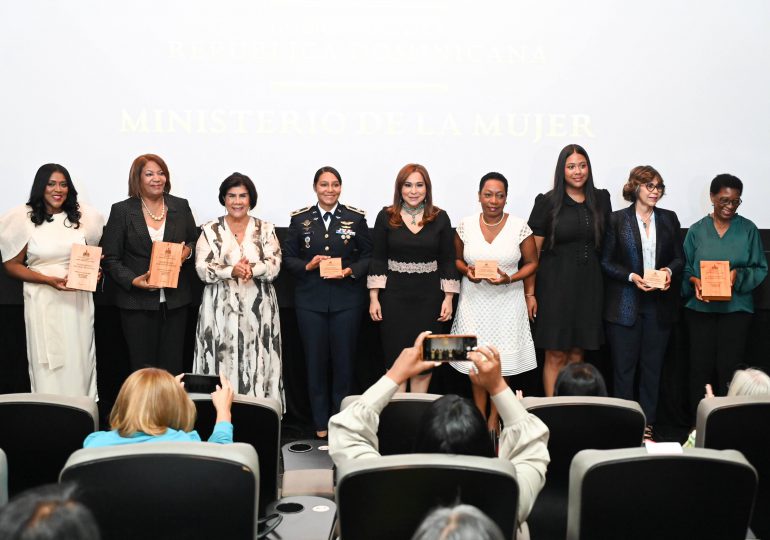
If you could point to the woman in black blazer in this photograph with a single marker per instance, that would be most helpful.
(638, 315)
(153, 319)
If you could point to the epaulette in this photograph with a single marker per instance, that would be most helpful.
(301, 210)
(356, 210)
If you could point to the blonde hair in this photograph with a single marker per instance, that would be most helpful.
(749, 382)
(150, 401)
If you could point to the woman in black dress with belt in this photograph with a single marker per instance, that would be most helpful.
(568, 224)
(412, 276)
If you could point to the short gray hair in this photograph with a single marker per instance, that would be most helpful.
(461, 522)
(749, 382)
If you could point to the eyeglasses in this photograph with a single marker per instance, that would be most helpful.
(655, 187)
(735, 203)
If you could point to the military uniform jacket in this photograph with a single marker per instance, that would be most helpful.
(347, 237)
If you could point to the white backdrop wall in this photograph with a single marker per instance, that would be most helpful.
(277, 88)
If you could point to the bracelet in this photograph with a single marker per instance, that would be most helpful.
(510, 279)
(529, 294)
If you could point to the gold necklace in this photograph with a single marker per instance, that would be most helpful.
(153, 216)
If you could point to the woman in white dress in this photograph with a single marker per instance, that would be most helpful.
(238, 257)
(495, 309)
(36, 242)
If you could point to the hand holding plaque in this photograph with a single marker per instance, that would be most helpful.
(165, 262)
(485, 270)
(331, 268)
(655, 278)
(83, 270)
(715, 281)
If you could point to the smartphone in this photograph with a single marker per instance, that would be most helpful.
(200, 384)
(447, 347)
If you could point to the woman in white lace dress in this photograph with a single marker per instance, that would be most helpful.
(238, 257)
(495, 309)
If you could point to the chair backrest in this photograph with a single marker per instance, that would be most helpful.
(741, 423)
(580, 422)
(3, 478)
(39, 432)
(399, 421)
(387, 498)
(576, 423)
(256, 421)
(634, 495)
(169, 490)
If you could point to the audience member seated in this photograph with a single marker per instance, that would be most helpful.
(580, 379)
(152, 406)
(47, 513)
(745, 382)
(452, 425)
(462, 522)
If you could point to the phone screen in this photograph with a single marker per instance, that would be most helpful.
(447, 347)
(200, 384)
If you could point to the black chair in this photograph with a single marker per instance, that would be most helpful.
(305, 518)
(577, 423)
(399, 421)
(635, 495)
(39, 432)
(168, 490)
(3, 478)
(386, 498)
(256, 421)
(741, 423)
(306, 454)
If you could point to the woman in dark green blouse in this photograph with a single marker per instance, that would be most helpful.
(719, 329)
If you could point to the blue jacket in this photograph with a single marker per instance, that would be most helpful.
(348, 237)
(622, 255)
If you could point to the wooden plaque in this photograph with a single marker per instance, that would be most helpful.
(331, 267)
(83, 271)
(715, 281)
(655, 278)
(165, 262)
(486, 270)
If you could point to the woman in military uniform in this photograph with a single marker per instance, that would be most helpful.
(329, 309)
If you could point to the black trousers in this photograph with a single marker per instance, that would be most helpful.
(717, 346)
(641, 346)
(155, 337)
(329, 340)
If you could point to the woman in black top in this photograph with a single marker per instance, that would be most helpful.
(153, 319)
(566, 293)
(412, 276)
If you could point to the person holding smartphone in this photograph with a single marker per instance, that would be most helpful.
(152, 406)
(452, 425)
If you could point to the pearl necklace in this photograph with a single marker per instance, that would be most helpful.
(414, 212)
(153, 216)
(484, 221)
